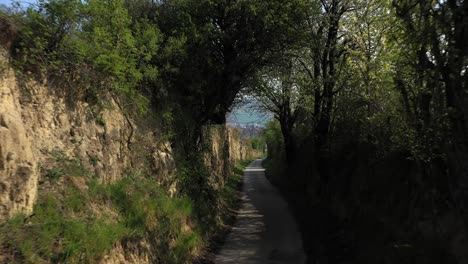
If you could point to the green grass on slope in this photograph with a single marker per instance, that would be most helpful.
(78, 220)
(65, 228)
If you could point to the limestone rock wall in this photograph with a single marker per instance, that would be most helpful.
(18, 162)
(226, 148)
(37, 120)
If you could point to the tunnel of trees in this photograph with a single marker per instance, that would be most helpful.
(370, 101)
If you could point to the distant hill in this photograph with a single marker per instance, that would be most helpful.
(250, 121)
(247, 116)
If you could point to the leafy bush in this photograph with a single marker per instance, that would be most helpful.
(54, 174)
(85, 48)
(63, 166)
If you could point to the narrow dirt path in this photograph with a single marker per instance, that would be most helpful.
(265, 230)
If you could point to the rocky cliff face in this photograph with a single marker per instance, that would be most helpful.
(226, 148)
(18, 162)
(37, 121)
(47, 136)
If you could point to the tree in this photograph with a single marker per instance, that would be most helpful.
(367, 100)
(321, 61)
(279, 92)
(213, 49)
(433, 85)
(112, 48)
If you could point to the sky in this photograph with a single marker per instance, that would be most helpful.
(8, 2)
(5, 2)
(242, 116)
(248, 113)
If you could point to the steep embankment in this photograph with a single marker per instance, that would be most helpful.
(94, 183)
